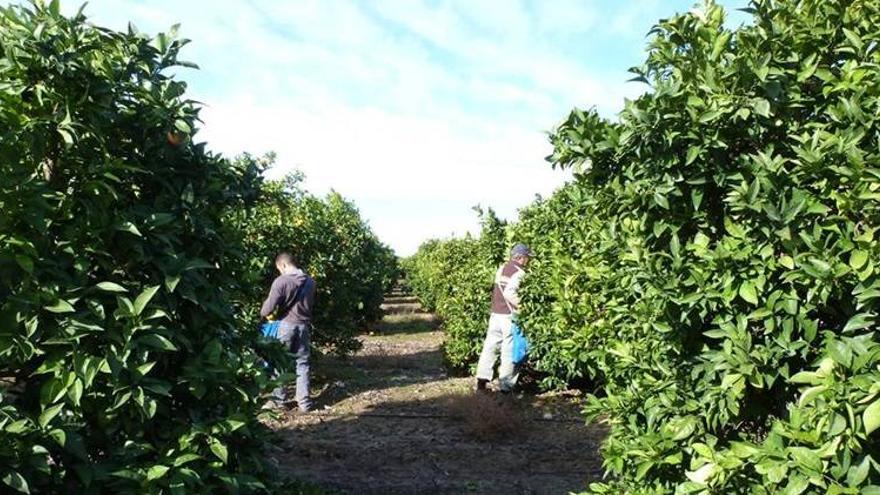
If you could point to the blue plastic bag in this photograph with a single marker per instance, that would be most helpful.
(520, 344)
(270, 329)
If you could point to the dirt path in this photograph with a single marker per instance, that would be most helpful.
(391, 421)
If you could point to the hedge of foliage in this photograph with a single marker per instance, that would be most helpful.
(453, 278)
(331, 241)
(128, 363)
(714, 264)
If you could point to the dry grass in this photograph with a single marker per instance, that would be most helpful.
(401, 318)
(392, 356)
(486, 416)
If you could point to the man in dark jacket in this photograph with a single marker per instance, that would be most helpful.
(291, 300)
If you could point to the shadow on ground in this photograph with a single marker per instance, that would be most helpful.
(391, 420)
(441, 445)
(335, 380)
(394, 325)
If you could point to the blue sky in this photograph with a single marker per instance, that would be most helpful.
(415, 109)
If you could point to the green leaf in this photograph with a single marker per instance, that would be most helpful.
(786, 261)
(733, 229)
(49, 414)
(59, 436)
(75, 391)
(157, 341)
(61, 306)
(731, 379)
(807, 377)
(808, 68)
(683, 428)
(703, 474)
(859, 321)
(234, 424)
(796, 485)
(853, 38)
(150, 408)
(198, 264)
(186, 458)
(182, 126)
(125, 305)
(692, 154)
(52, 390)
(143, 299)
(697, 198)
(748, 293)
(17, 427)
(858, 474)
(126, 474)
(761, 107)
(857, 259)
(16, 482)
(660, 199)
(662, 327)
(219, 450)
(871, 417)
(66, 136)
(130, 228)
(720, 44)
(643, 469)
(156, 472)
(25, 262)
(111, 287)
(709, 116)
(171, 282)
(810, 394)
(145, 368)
(807, 458)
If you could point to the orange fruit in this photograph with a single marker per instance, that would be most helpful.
(174, 138)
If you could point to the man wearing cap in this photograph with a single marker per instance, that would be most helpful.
(505, 302)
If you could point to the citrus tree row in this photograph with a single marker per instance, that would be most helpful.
(714, 266)
(131, 263)
(453, 278)
(328, 237)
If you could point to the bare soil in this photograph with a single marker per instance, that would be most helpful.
(390, 420)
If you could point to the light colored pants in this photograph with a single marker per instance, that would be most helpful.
(296, 339)
(499, 337)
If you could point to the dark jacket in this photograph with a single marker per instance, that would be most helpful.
(505, 295)
(293, 295)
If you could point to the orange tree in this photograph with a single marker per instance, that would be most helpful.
(330, 240)
(561, 312)
(454, 278)
(723, 278)
(121, 366)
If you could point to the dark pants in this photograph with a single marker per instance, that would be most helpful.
(296, 338)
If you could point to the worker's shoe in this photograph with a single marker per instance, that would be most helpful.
(481, 386)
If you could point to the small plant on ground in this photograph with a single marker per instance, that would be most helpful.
(486, 416)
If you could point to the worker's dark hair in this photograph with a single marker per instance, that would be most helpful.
(285, 257)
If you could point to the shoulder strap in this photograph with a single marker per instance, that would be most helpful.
(300, 291)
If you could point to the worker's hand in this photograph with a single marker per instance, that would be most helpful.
(271, 317)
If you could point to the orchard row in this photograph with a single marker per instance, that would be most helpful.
(714, 267)
(132, 265)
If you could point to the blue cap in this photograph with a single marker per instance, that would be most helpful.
(521, 250)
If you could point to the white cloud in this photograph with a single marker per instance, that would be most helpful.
(416, 110)
(567, 17)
